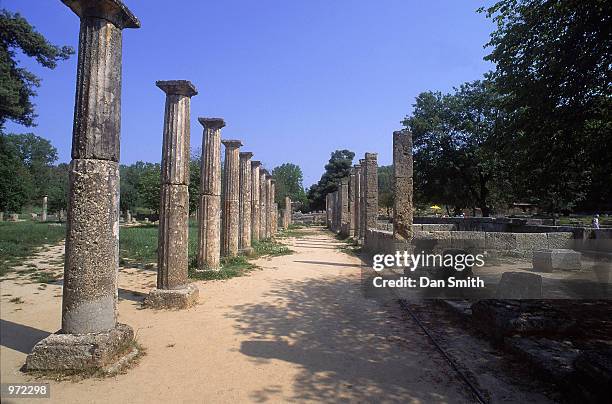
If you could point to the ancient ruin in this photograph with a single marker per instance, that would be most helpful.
(209, 211)
(173, 288)
(230, 199)
(90, 335)
(245, 214)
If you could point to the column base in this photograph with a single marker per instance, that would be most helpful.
(82, 351)
(172, 298)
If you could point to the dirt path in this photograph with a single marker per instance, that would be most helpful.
(299, 329)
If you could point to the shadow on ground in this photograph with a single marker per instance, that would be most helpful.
(20, 337)
(348, 348)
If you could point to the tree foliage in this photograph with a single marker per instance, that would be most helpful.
(25, 170)
(386, 194)
(289, 182)
(339, 166)
(16, 83)
(456, 159)
(553, 74)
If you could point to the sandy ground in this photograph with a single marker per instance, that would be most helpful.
(298, 329)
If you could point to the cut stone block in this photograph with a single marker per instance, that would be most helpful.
(556, 259)
(519, 285)
(172, 298)
(81, 351)
(560, 240)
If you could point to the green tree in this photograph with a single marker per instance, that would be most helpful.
(58, 187)
(289, 179)
(552, 70)
(385, 188)
(339, 166)
(194, 179)
(149, 186)
(25, 170)
(16, 83)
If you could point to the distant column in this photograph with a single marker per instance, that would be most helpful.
(43, 217)
(357, 202)
(209, 210)
(362, 210)
(263, 204)
(344, 206)
(371, 192)
(173, 288)
(337, 219)
(287, 213)
(245, 216)
(89, 303)
(272, 205)
(351, 203)
(231, 199)
(402, 184)
(268, 229)
(255, 207)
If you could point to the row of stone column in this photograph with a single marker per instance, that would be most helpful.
(353, 208)
(230, 216)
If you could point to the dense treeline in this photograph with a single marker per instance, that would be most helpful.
(536, 129)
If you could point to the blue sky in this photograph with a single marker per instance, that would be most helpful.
(293, 79)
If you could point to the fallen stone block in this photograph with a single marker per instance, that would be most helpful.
(556, 260)
(552, 358)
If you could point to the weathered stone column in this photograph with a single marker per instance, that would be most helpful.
(209, 209)
(263, 204)
(351, 203)
(255, 204)
(90, 336)
(337, 211)
(43, 216)
(275, 221)
(230, 199)
(356, 192)
(362, 209)
(173, 288)
(287, 213)
(402, 185)
(344, 206)
(245, 216)
(371, 192)
(271, 204)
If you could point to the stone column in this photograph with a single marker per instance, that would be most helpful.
(287, 213)
(402, 185)
(1, 216)
(230, 199)
(263, 204)
(344, 206)
(362, 210)
(173, 288)
(90, 336)
(43, 216)
(271, 198)
(245, 216)
(209, 209)
(351, 203)
(371, 192)
(128, 217)
(255, 204)
(356, 193)
(275, 216)
(336, 211)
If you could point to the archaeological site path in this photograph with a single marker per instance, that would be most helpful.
(298, 329)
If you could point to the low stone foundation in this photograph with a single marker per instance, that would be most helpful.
(161, 299)
(81, 351)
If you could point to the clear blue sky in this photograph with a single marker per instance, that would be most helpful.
(293, 79)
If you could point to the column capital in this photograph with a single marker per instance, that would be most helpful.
(272, 180)
(255, 163)
(357, 166)
(113, 11)
(177, 87)
(231, 143)
(212, 123)
(371, 156)
(245, 155)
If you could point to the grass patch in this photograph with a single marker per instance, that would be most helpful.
(350, 247)
(230, 268)
(270, 248)
(19, 240)
(44, 277)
